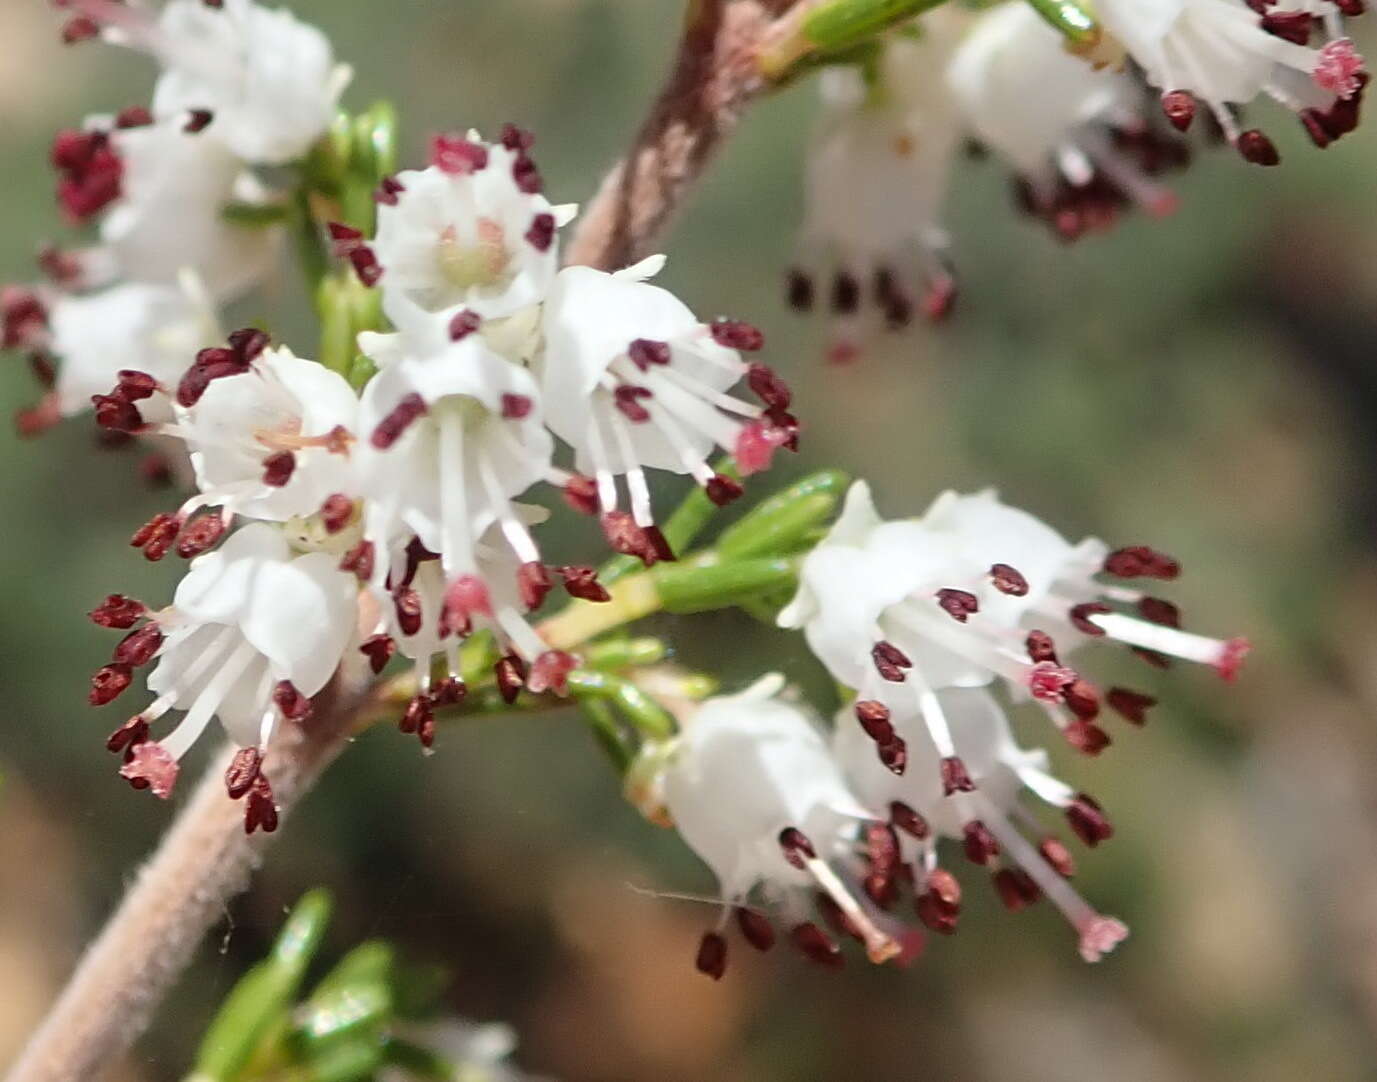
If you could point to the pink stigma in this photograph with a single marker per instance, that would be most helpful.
(1047, 681)
(1100, 935)
(1231, 657)
(756, 446)
(151, 767)
(1338, 67)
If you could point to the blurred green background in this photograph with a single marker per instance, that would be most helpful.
(1206, 384)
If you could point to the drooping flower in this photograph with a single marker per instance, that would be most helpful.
(981, 811)
(974, 592)
(471, 232)
(253, 632)
(1226, 53)
(876, 178)
(1077, 138)
(632, 380)
(258, 80)
(753, 790)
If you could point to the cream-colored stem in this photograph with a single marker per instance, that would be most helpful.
(203, 861)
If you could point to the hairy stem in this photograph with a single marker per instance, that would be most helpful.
(203, 861)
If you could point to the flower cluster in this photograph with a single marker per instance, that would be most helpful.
(922, 619)
(1078, 132)
(176, 189)
(385, 519)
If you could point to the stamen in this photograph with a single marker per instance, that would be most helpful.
(755, 928)
(712, 955)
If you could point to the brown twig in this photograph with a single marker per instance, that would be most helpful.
(714, 78)
(203, 861)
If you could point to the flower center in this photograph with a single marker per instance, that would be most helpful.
(483, 263)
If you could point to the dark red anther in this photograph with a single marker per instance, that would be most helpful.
(890, 661)
(645, 352)
(197, 121)
(627, 398)
(278, 468)
(388, 191)
(1082, 698)
(402, 416)
(139, 647)
(1292, 26)
(534, 583)
(23, 317)
(1008, 580)
(894, 755)
(108, 683)
(768, 387)
(260, 813)
(817, 946)
(336, 512)
(1141, 562)
(1079, 615)
(1179, 108)
(1316, 127)
(457, 156)
(1057, 855)
(200, 534)
(162, 530)
(712, 955)
(1351, 8)
(466, 596)
(874, 718)
(846, 293)
(248, 342)
(526, 175)
(1157, 611)
(118, 611)
(796, 847)
(464, 324)
(581, 494)
(343, 238)
(979, 844)
(955, 778)
(582, 582)
(366, 266)
(132, 732)
(882, 848)
(359, 561)
(417, 711)
(210, 365)
(1130, 705)
(379, 650)
(516, 138)
(134, 385)
(755, 928)
(90, 173)
(1016, 889)
(798, 290)
(1086, 737)
(116, 413)
(288, 699)
(939, 905)
(550, 672)
(242, 771)
(646, 543)
(541, 234)
(1088, 821)
(960, 605)
(722, 490)
(1255, 147)
(510, 673)
(657, 547)
(407, 604)
(908, 820)
(838, 921)
(451, 691)
(734, 334)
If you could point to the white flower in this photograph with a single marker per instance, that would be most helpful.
(976, 591)
(979, 812)
(470, 232)
(254, 630)
(169, 217)
(259, 80)
(155, 329)
(273, 442)
(876, 178)
(1224, 53)
(476, 1052)
(632, 379)
(1075, 135)
(753, 790)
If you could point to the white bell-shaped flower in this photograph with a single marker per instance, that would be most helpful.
(1076, 137)
(979, 810)
(632, 379)
(1224, 53)
(472, 231)
(876, 178)
(753, 790)
(254, 630)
